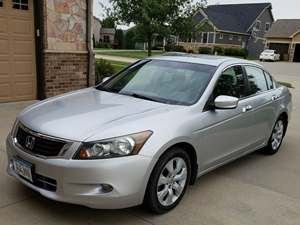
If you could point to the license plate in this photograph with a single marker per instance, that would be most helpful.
(23, 169)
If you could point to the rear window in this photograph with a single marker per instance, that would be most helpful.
(270, 81)
(256, 79)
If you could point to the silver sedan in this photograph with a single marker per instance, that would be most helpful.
(145, 134)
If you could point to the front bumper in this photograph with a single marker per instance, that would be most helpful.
(271, 58)
(78, 181)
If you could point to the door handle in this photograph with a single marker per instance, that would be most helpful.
(247, 108)
(274, 98)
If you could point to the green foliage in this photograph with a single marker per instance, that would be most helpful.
(103, 45)
(286, 84)
(103, 69)
(240, 52)
(109, 22)
(174, 48)
(205, 50)
(119, 38)
(154, 16)
(130, 39)
(219, 50)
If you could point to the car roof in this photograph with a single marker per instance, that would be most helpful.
(212, 60)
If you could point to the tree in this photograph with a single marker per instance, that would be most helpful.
(109, 22)
(152, 16)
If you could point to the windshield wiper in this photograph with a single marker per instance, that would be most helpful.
(136, 95)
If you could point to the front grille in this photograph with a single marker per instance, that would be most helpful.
(42, 146)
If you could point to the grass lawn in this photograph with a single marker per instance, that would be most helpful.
(130, 54)
(118, 66)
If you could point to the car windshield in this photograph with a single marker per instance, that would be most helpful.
(162, 81)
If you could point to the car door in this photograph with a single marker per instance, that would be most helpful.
(261, 102)
(227, 133)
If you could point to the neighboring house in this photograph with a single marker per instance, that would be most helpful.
(107, 35)
(96, 29)
(234, 25)
(284, 37)
(43, 48)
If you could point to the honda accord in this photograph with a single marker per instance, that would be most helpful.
(143, 135)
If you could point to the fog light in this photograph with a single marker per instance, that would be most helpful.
(105, 188)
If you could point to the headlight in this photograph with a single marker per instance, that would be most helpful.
(114, 147)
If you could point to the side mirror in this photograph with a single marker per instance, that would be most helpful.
(105, 79)
(226, 102)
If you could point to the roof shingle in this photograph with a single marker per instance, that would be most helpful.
(234, 17)
(284, 28)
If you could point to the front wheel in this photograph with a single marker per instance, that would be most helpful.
(168, 181)
(276, 138)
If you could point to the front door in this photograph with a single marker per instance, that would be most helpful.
(227, 132)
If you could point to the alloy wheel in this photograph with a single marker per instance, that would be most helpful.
(277, 135)
(172, 181)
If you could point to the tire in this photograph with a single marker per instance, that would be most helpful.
(276, 138)
(165, 184)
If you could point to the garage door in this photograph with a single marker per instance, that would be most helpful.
(17, 51)
(282, 49)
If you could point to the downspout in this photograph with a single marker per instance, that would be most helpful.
(89, 43)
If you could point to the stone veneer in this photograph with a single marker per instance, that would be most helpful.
(65, 46)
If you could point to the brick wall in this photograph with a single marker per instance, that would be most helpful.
(65, 72)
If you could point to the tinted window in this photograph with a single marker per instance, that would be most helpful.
(270, 82)
(256, 79)
(165, 81)
(231, 83)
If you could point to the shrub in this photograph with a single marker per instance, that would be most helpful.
(205, 50)
(219, 50)
(103, 69)
(240, 52)
(103, 45)
(174, 48)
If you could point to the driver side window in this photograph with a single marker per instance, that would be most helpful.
(231, 83)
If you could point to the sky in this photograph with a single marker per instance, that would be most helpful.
(282, 9)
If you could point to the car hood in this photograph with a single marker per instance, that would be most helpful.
(78, 115)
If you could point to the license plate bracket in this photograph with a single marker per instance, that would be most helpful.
(23, 169)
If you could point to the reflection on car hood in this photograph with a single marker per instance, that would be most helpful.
(77, 115)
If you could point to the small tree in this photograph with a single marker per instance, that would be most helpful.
(151, 16)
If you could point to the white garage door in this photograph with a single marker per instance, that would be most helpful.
(17, 51)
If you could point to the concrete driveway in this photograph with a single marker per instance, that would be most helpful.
(256, 189)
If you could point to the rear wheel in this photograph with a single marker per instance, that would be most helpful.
(168, 181)
(276, 138)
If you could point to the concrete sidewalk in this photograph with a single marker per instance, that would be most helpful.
(116, 58)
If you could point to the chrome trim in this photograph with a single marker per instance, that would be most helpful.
(61, 154)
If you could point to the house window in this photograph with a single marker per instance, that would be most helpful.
(231, 37)
(268, 25)
(221, 36)
(204, 37)
(1, 3)
(240, 38)
(106, 39)
(257, 25)
(20, 4)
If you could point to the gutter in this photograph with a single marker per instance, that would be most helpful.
(89, 15)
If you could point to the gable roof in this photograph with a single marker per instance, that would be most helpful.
(285, 28)
(233, 17)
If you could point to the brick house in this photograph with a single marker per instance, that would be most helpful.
(284, 36)
(45, 48)
(233, 25)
